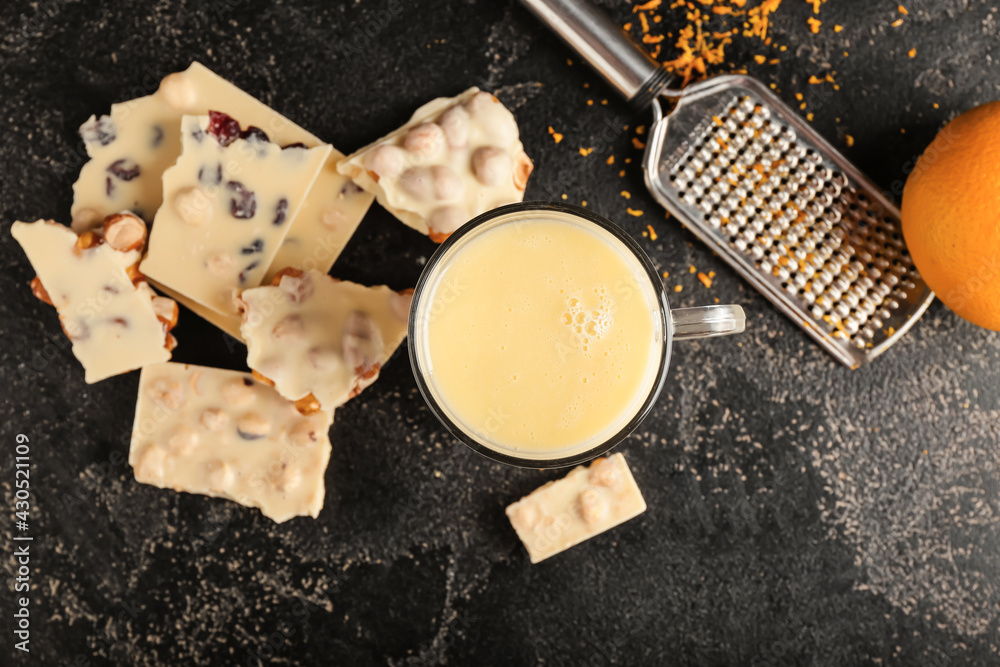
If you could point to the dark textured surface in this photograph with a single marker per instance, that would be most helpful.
(799, 513)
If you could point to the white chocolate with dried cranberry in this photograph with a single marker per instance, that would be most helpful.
(584, 503)
(225, 213)
(145, 133)
(312, 334)
(221, 433)
(112, 323)
(455, 158)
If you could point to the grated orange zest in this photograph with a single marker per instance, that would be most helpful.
(711, 26)
(648, 6)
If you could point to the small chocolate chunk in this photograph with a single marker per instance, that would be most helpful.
(281, 212)
(253, 133)
(100, 131)
(256, 246)
(124, 169)
(243, 203)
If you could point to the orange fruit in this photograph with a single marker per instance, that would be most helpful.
(951, 215)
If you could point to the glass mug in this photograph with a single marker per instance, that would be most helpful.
(526, 339)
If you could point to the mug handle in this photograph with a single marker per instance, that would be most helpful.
(707, 321)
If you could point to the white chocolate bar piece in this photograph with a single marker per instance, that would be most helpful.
(226, 210)
(221, 433)
(313, 334)
(584, 503)
(113, 323)
(141, 138)
(455, 158)
(328, 218)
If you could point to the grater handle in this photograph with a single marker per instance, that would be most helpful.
(707, 321)
(609, 50)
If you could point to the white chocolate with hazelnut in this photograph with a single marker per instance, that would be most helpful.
(313, 334)
(143, 137)
(226, 212)
(455, 158)
(229, 323)
(221, 433)
(114, 324)
(584, 503)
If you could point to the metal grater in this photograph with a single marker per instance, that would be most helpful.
(742, 171)
(748, 177)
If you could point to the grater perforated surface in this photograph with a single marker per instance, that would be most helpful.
(742, 171)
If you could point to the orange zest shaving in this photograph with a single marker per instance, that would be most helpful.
(697, 51)
(759, 18)
(647, 7)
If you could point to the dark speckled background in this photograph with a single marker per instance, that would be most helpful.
(799, 513)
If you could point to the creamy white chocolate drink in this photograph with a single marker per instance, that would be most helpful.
(541, 335)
